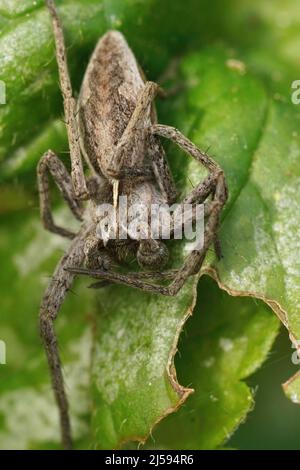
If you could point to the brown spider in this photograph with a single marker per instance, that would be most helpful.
(113, 125)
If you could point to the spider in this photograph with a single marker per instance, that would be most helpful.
(113, 125)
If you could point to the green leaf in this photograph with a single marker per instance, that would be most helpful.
(28, 414)
(260, 228)
(267, 34)
(12, 9)
(134, 380)
(257, 142)
(224, 342)
(23, 160)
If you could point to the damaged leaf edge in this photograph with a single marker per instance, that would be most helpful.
(182, 392)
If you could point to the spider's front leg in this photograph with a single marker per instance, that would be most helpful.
(214, 184)
(200, 193)
(159, 166)
(193, 262)
(50, 163)
(50, 305)
(70, 105)
(133, 279)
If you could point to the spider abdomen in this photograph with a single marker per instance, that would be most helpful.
(108, 97)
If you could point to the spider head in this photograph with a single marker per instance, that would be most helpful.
(152, 254)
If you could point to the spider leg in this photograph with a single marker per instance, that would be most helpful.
(50, 305)
(202, 190)
(208, 186)
(198, 195)
(138, 275)
(127, 280)
(192, 262)
(160, 164)
(128, 137)
(215, 184)
(155, 150)
(183, 142)
(138, 173)
(50, 163)
(162, 170)
(70, 105)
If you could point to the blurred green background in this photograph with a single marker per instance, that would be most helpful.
(274, 422)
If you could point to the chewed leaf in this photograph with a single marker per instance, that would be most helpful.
(292, 386)
(258, 146)
(224, 342)
(260, 154)
(134, 380)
